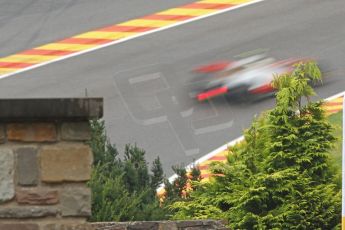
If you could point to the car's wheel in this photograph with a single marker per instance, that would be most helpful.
(239, 94)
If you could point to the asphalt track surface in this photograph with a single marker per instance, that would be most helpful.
(145, 81)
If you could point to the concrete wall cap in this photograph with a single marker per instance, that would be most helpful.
(49, 109)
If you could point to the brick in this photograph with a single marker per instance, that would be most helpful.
(27, 166)
(36, 196)
(27, 212)
(71, 162)
(2, 134)
(6, 174)
(75, 131)
(19, 226)
(76, 202)
(32, 132)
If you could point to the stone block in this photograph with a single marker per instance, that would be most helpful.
(65, 162)
(110, 225)
(37, 196)
(6, 174)
(143, 225)
(2, 134)
(76, 202)
(161, 225)
(27, 166)
(32, 132)
(19, 226)
(189, 223)
(75, 131)
(67, 226)
(167, 225)
(27, 212)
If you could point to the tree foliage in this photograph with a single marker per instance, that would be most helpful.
(183, 184)
(123, 189)
(280, 177)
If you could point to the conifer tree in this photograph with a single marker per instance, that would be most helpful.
(279, 177)
(157, 173)
(122, 190)
(184, 182)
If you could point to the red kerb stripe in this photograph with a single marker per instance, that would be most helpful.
(47, 52)
(85, 41)
(333, 103)
(203, 167)
(16, 65)
(217, 158)
(118, 28)
(206, 6)
(168, 17)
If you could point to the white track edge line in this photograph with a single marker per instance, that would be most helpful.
(128, 38)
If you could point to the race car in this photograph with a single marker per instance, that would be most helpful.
(249, 77)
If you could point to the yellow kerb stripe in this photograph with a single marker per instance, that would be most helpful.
(105, 35)
(330, 106)
(63, 46)
(334, 107)
(204, 171)
(240, 1)
(340, 99)
(7, 70)
(27, 58)
(205, 179)
(147, 23)
(188, 12)
(234, 2)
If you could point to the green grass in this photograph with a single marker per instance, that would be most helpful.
(337, 121)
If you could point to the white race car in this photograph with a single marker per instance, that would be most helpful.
(251, 76)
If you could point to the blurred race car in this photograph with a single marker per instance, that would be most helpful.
(247, 77)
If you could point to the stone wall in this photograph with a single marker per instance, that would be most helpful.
(45, 163)
(161, 225)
